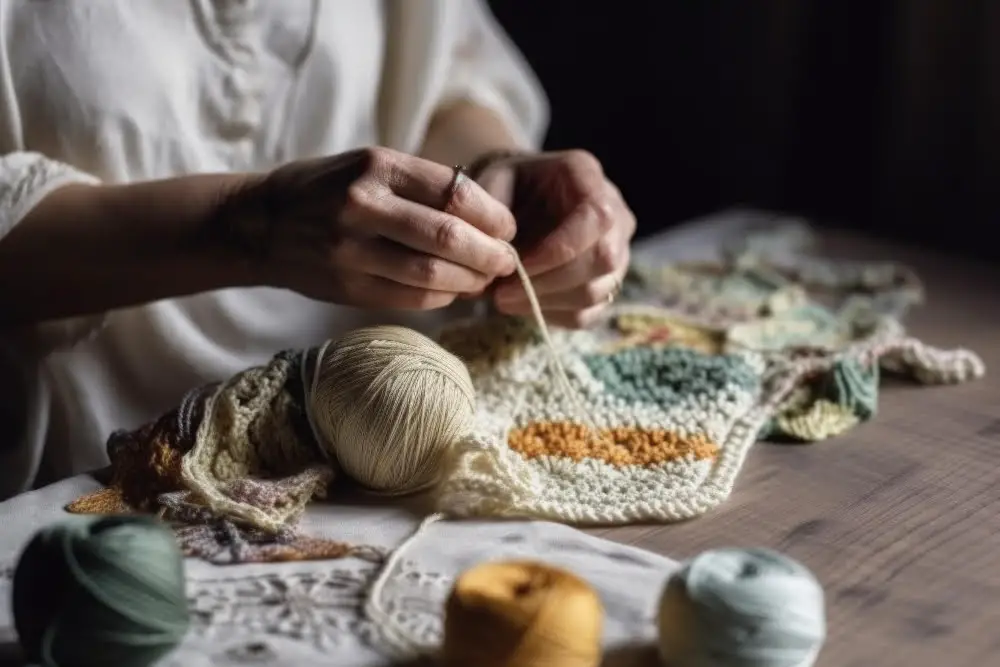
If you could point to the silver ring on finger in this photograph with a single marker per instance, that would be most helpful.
(613, 294)
(458, 179)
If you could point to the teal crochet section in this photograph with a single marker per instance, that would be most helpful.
(662, 376)
(854, 386)
(849, 383)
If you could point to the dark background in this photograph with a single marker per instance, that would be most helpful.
(878, 115)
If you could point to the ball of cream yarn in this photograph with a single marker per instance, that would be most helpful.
(741, 608)
(388, 403)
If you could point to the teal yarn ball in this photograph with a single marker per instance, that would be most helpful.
(742, 608)
(100, 591)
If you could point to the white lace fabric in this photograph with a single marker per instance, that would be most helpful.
(314, 614)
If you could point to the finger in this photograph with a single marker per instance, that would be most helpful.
(387, 259)
(605, 256)
(435, 185)
(569, 239)
(597, 292)
(577, 319)
(377, 292)
(433, 232)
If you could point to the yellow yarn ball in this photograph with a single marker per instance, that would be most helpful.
(388, 403)
(522, 614)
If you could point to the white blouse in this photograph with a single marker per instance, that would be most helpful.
(127, 90)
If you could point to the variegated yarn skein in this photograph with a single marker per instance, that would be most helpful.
(741, 608)
(522, 614)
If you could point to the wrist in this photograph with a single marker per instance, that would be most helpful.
(175, 222)
(496, 172)
(238, 228)
(241, 228)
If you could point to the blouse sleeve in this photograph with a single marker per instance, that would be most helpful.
(489, 70)
(25, 179)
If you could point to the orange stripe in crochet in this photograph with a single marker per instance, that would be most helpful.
(621, 446)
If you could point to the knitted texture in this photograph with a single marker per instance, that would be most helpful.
(697, 363)
(232, 468)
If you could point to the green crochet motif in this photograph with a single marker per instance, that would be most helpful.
(849, 383)
(666, 375)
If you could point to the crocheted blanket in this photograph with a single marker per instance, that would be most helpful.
(696, 363)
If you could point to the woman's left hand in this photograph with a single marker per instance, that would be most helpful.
(573, 235)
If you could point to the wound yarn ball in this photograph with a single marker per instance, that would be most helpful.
(522, 614)
(741, 608)
(99, 591)
(388, 404)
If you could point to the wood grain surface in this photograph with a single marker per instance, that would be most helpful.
(900, 518)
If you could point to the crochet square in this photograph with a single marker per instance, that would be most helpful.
(674, 424)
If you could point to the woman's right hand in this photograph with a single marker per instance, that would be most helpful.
(374, 228)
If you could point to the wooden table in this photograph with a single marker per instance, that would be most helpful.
(900, 518)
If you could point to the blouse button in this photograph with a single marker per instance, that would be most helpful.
(246, 109)
(241, 125)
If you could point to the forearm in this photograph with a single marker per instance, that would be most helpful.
(88, 249)
(462, 132)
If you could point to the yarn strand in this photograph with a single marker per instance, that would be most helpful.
(310, 383)
(536, 311)
(405, 646)
(569, 393)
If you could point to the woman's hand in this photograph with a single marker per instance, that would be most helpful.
(573, 235)
(373, 228)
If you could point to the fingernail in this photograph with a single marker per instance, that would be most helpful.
(509, 258)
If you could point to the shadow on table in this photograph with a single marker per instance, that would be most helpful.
(620, 656)
(642, 655)
(638, 655)
(346, 492)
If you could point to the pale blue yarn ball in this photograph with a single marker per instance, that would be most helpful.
(742, 608)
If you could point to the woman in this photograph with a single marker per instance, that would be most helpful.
(187, 187)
